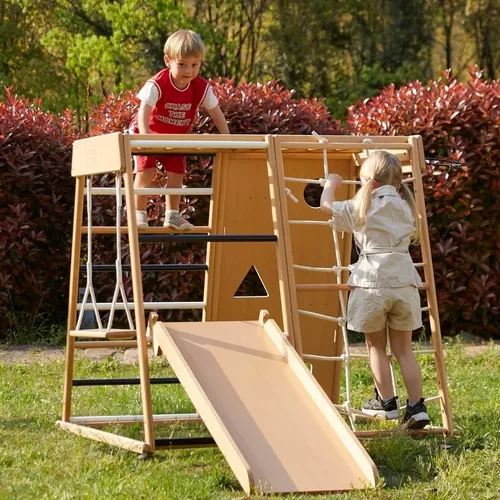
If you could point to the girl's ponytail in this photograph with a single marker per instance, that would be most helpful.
(363, 200)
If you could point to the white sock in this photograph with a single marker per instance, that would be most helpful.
(171, 212)
(143, 212)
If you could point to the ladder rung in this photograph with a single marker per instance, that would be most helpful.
(203, 238)
(149, 230)
(147, 268)
(98, 420)
(184, 442)
(123, 381)
(319, 287)
(95, 333)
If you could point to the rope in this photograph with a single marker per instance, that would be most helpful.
(89, 288)
(119, 288)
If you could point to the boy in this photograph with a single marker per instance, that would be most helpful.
(169, 101)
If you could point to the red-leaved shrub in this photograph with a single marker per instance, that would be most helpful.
(462, 122)
(36, 206)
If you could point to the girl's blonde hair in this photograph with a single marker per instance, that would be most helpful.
(384, 168)
(184, 43)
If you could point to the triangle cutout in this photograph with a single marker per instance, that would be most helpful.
(251, 285)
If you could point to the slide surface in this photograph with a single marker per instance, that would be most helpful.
(276, 427)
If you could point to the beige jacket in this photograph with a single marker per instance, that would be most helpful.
(384, 260)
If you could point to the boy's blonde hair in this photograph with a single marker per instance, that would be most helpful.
(184, 43)
(384, 168)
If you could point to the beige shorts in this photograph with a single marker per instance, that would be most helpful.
(371, 309)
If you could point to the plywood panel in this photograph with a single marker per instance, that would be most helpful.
(255, 399)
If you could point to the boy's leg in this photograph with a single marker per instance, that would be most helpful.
(145, 168)
(143, 179)
(174, 180)
(172, 216)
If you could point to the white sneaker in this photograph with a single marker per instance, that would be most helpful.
(176, 221)
(141, 216)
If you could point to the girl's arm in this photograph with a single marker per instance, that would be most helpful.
(219, 119)
(328, 195)
(143, 117)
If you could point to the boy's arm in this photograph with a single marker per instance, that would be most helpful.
(219, 119)
(143, 117)
(328, 194)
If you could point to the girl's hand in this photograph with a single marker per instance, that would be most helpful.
(334, 179)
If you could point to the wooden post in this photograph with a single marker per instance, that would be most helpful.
(76, 246)
(140, 321)
(289, 306)
(418, 165)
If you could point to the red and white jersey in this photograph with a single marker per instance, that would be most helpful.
(174, 109)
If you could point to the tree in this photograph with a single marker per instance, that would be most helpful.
(233, 30)
(482, 17)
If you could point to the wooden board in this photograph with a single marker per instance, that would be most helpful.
(272, 421)
(98, 155)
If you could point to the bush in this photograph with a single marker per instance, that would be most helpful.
(459, 121)
(36, 207)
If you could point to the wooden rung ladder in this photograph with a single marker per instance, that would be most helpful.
(345, 152)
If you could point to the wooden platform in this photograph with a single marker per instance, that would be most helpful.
(272, 421)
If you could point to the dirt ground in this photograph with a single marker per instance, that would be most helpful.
(37, 354)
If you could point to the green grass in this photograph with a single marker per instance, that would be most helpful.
(37, 460)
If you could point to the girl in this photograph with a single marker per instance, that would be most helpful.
(382, 216)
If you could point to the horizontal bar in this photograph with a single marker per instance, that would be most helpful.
(411, 432)
(148, 230)
(233, 238)
(148, 268)
(319, 269)
(197, 154)
(153, 191)
(185, 442)
(208, 145)
(310, 222)
(106, 306)
(108, 344)
(344, 181)
(134, 419)
(303, 180)
(123, 381)
(317, 315)
(349, 146)
(317, 357)
(426, 400)
(320, 287)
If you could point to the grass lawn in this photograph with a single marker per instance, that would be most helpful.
(37, 460)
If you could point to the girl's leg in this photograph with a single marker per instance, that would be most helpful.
(410, 369)
(379, 362)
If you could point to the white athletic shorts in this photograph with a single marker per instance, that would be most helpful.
(371, 309)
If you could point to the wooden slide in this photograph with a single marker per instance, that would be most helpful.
(270, 418)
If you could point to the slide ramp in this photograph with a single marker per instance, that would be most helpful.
(272, 421)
